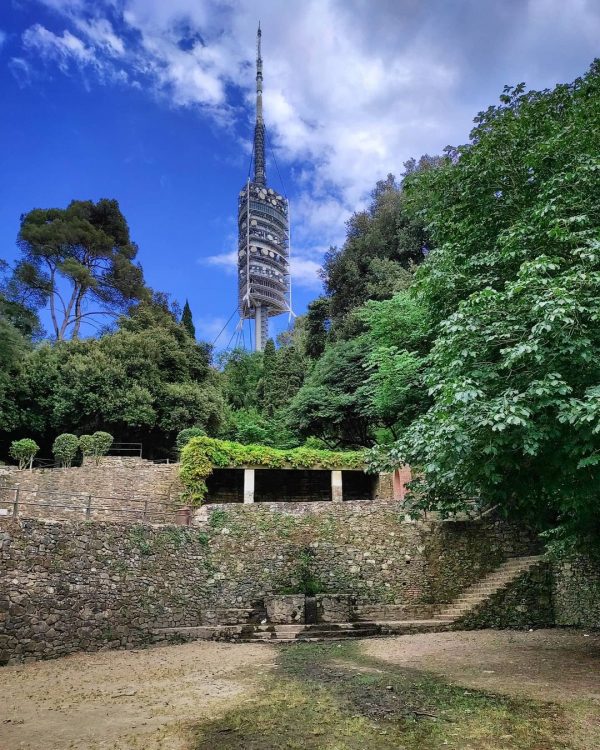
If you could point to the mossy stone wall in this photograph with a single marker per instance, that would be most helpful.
(69, 586)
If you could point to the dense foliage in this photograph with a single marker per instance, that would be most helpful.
(143, 382)
(201, 454)
(512, 290)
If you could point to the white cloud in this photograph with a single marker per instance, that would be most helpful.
(352, 89)
(21, 70)
(63, 49)
(305, 273)
(226, 261)
(101, 34)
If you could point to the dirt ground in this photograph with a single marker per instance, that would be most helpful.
(124, 699)
(147, 699)
(548, 665)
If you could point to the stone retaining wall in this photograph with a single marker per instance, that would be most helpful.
(525, 603)
(76, 585)
(576, 592)
(120, 488)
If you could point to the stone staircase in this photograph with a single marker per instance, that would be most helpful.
(487, 587)
(444, 619)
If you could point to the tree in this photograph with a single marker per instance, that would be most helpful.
(267, 403)
(65, 449)
(184, 436)
(78, 260)
(143, 382)
(383, 244)
(96, 445)
(317, 327)
(332, 403)
(242, 372)
(249, 426)
(24, 451)
(187, 320)
(13, 352)
(397, 341)
(513, 284)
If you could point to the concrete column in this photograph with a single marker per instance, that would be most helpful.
(336, 486)
(248, 485)
(259, 344)
(402, 477)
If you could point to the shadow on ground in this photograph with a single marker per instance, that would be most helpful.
(332, 697)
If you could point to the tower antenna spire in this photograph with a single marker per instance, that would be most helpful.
(260, 175)
(263, 236)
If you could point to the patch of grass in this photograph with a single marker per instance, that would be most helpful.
(330, 697)
(218, 518)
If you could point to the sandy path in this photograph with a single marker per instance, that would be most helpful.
(555, 665)
(124, 699)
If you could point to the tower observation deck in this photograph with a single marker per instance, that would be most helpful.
(263, 236)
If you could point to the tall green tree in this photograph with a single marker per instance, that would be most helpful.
(397, 340)
(332, 403)
(187, 320)
(80, 261)
(513, 290)
(383, 244)
(241, 374)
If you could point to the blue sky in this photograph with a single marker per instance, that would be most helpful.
(150, 102)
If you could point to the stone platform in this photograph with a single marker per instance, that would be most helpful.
(273, 633)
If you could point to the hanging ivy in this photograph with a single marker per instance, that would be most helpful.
(202, 454)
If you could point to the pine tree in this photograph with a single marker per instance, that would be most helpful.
(187, 320)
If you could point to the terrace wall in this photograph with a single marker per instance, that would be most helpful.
(68, 586)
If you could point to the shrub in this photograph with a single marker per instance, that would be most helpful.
(23, 451)
(65, 448)
(184, 436)
(96, 445)
(201, 454)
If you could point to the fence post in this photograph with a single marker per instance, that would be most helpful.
(145, 508)
(88, 508)
(16, 503)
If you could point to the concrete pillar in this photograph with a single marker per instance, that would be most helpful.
(248, 485)
(336, 486)
(402, 477)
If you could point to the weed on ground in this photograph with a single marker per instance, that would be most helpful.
(331, 697)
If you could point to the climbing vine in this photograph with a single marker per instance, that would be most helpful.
(202, 454)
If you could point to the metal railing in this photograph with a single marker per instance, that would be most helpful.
(125, 449)
(18, 503)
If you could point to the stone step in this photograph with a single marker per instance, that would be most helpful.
(491, 584)
(268, 633)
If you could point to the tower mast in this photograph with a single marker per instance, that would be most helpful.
(260, 175)
(263, 235)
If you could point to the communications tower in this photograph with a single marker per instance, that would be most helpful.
(263, 236)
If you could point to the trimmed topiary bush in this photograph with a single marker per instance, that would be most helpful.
(65, 449)
(184, 436)
(24, 451)
(96, 445)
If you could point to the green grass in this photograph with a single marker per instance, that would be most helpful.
(330, 697)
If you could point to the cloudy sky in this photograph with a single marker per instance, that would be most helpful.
(151, 102)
